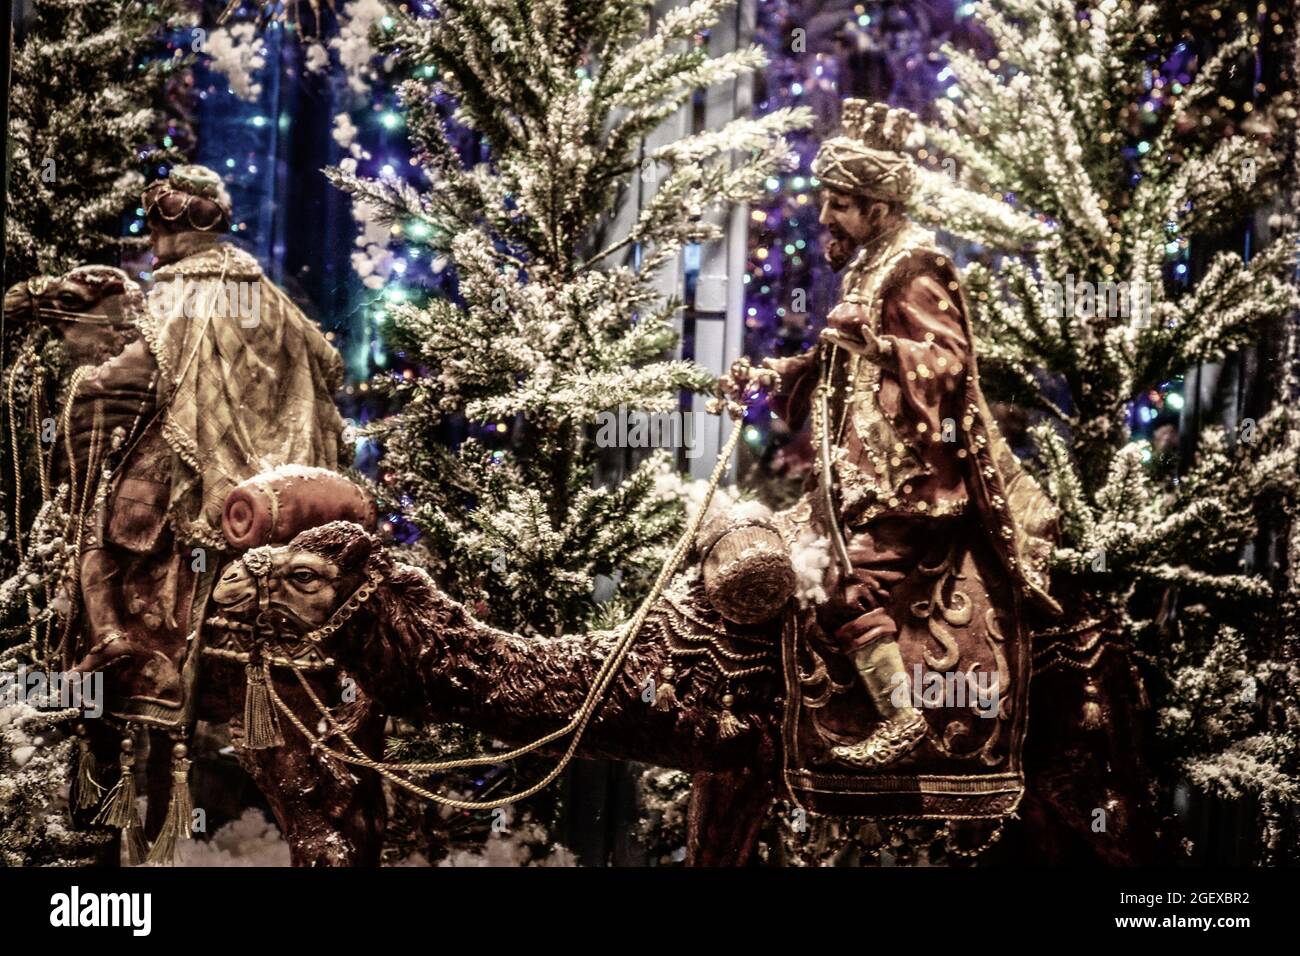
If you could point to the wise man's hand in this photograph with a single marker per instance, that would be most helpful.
(742, 377)
(735, 383)
(112, 649)
(848, 328)
(847, 317)
(782, 367)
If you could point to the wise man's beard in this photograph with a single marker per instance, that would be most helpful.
(839, 248)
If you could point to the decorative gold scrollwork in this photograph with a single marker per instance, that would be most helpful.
(958, 614)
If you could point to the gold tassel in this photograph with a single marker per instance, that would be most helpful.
(1091, 718)
(180, 810)
(136, 848)
(261, 730)
(1143, 702)
(665, 693)
(119, 809)
(86, 792)
(729, 725)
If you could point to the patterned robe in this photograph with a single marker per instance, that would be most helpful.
(911, 435)
(210, 396)
(947, 538)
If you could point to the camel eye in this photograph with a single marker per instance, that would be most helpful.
(304, 576)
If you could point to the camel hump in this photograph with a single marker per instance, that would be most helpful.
(274, 506)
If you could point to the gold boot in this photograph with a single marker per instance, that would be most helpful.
(902, 726)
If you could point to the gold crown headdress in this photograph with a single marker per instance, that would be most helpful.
(187, 191)
(867, 158)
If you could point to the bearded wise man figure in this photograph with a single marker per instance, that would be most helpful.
(906, 453)
(228, 380)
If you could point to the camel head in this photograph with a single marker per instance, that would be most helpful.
(305, 581)
(308, 580)
(91, 310)
(334, 592)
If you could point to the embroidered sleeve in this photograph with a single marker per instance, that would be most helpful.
(793, 397)
(925, 346)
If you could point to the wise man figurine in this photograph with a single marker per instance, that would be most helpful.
(229, 379)
(904, 447)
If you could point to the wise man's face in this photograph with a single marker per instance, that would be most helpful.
(850, 221)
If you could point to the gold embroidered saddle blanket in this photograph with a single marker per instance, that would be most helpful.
(967, 666)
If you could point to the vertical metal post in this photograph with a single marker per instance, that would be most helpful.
(720, 290)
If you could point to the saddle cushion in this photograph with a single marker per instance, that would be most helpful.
(274, 506)
(965, 655)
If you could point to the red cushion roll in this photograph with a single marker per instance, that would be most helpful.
(273, 507)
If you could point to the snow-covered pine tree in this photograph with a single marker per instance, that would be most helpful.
(556, 319)
(1073, 121)
(84, 125)
(35, 823)
(86, 120)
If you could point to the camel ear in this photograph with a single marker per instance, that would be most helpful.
(20, 301)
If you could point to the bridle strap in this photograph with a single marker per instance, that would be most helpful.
(356, 600)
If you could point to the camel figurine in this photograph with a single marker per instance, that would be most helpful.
(415, 652)
(89, 310)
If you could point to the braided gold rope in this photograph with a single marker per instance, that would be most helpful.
(44, 459)
(14, 451)
(78, 376)
(94, 461)
(27, 355)
(82, 318)
(577, 725)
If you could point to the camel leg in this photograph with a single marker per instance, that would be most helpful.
(726, 811)
(1087, 799)
(330, 813)
(328, 817)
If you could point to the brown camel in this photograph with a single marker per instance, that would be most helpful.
(90, 310)
(88, 316)
(415, 652)
(411, 651)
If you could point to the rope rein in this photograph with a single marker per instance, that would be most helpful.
(576, 726)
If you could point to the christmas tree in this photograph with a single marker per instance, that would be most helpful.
(35, 822)
(556, 317)
(1098, 123)
(84, 121)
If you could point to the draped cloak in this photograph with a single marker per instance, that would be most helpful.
(229, 379)
(911, 435)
